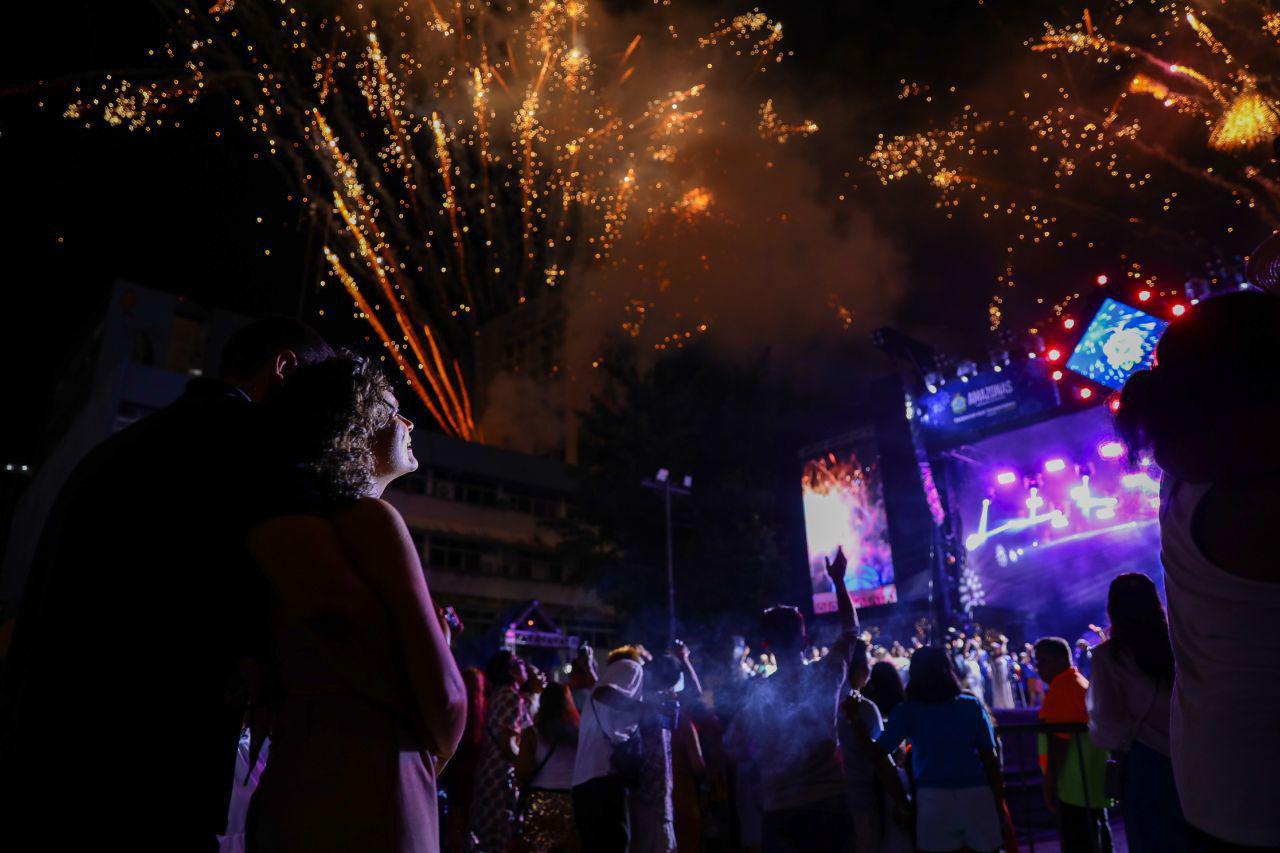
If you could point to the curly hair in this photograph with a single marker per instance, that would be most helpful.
(326, 416)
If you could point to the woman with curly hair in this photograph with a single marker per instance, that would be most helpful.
(367, 701)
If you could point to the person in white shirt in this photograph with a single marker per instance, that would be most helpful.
(1210, 414)
(612, 717)
(1128, 701)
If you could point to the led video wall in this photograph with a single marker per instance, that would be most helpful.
(844, 507)
(1119, 341)
(1051, 513)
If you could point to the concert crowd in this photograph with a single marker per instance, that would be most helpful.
(228, 643)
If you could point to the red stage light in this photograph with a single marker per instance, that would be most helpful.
(1057, 375)
(1178, 310)
(1114, 404)
(1069, 323)
(1054, 354)
(1144, 295)
(1102, 280)
(1086, 393)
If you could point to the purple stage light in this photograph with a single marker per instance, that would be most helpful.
(1111, 449)
(1053, 466)
(1006, 478)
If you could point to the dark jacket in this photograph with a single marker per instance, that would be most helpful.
(141, 599)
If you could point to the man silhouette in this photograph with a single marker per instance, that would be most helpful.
(119, 719)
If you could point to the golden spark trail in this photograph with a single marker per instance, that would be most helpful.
(444, 374)
(451, 204)
(367, 311)
(375, 264)
(423, 128)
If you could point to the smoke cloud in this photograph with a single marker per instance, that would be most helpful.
(764, 254)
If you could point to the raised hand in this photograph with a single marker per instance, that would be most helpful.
(537, 681)
(836, 569)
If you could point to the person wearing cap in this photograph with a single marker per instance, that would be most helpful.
(611, 717)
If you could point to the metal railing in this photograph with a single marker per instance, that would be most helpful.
(1018, 735)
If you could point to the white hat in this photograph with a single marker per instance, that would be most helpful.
(624, 675)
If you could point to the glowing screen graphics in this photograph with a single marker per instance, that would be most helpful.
(1051, 513)
(1119, 341)
(844, 506)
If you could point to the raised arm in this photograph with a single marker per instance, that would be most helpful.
(386, 558)
(836, 570)
(692, 685)
(612, 697)
(583, 675)
(842, 648)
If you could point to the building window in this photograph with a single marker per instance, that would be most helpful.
(457, 555)
(532, 502)
(538, 567)
(471, 490)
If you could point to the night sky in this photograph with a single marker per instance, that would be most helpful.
(178, 210)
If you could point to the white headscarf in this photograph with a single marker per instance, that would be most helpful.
(626, 676)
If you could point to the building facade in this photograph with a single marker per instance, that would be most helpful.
(486, 523)
(484, 518)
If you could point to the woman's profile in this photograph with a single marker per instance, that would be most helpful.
(367, 701)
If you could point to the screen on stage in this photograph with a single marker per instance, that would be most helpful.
(1051, 513)
(844, 507)
(1119, 341)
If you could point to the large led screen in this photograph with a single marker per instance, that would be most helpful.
(1051, 513)
(1119, 341)
(844, 507)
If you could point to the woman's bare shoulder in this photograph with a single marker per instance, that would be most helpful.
(369, 512)
(371, 523)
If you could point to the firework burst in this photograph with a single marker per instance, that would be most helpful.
(462, 158)
(1118, 130)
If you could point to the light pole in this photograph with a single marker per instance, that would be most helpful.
(662, 483)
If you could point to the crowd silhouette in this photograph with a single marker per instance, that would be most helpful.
(228, 642)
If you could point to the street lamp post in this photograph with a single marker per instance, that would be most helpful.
(662, 483)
